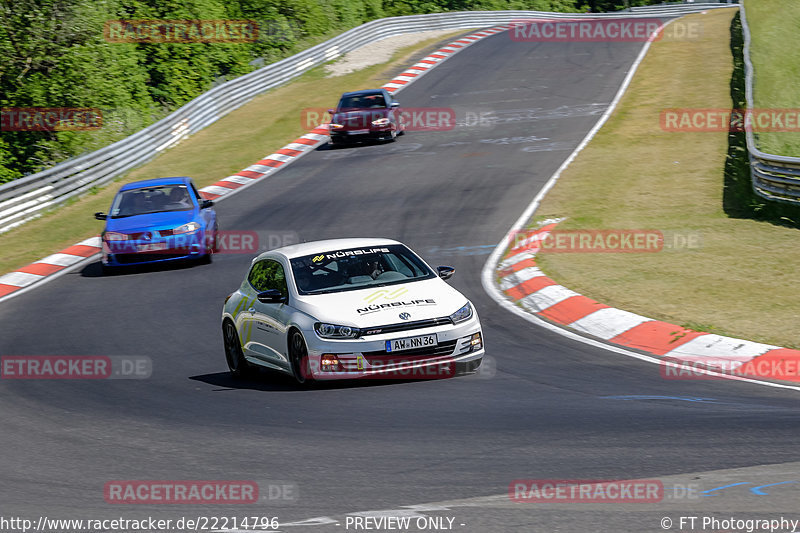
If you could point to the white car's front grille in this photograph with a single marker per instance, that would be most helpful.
(406, 326)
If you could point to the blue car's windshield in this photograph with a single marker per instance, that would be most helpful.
(151, 200)
(344, 270)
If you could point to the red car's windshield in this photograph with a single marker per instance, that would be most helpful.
(369, 101)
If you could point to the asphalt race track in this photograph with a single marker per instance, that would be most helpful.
(545, 407)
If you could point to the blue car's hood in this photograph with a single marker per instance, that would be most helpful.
(164, 220)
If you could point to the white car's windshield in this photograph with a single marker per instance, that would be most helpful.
(357, 268)
(151, 200)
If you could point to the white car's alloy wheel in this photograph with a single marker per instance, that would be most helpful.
(237, 364)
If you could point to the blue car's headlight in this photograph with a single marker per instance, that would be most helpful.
(115, 236)
(191, 227)
(332, 331)
(465, 313)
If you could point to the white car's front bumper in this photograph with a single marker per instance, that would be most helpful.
(458, 346)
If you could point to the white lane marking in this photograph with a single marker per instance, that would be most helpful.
(237, 179)
(261, 169)
(488, 273)
(60, 259)
(608, 322)
(513, 260)
(19, 279)
(713, 345)
(531, 244)
(299, 147)
(91, 241)
(278, 157)
(546, 297)
(519, 277)
(216, 189)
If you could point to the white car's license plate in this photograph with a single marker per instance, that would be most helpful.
(152, 247)
(411, 343)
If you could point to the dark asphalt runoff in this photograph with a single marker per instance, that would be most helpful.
(545, 407)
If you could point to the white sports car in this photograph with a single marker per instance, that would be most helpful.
(349, 308)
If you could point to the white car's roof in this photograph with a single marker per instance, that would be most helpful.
(329, 245)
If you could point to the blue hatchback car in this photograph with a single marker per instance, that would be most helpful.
(156, 220)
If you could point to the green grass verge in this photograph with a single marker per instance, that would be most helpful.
(775, 52)
(634, 175)
(234, 142)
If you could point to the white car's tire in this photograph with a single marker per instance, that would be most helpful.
(234, 356)
(298, 355)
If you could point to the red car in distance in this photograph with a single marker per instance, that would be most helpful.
(371, 114)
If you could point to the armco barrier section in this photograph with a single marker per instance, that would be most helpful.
(774, 177)
(28, 197)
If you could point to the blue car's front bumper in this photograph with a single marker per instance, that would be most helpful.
(137, 252)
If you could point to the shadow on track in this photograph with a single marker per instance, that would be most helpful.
(95, 270)
(272, 381)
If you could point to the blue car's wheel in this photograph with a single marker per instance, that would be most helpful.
(210, 247)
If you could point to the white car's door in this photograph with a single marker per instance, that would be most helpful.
(268, 330)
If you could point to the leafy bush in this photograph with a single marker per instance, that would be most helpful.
(55, 55)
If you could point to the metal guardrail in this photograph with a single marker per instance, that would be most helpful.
(28, 197)
(669, 7)
(774, 177)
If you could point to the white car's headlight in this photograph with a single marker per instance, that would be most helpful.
(191, 227)
(332, 331)
(465, 313)
(380, 122)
